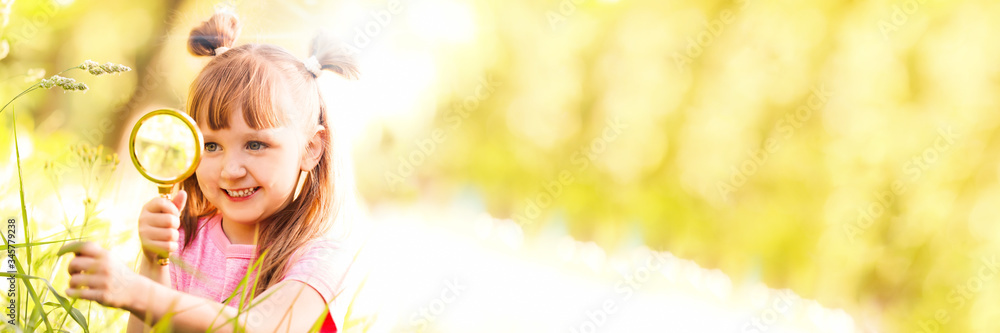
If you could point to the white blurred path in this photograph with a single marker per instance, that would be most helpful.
(452, 270)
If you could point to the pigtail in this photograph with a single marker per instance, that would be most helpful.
(249, 79)
(220, 31)
(332, 56)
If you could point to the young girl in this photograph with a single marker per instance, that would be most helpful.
(269, 186)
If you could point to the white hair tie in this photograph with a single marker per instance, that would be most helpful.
(220, 50)
(313, 66)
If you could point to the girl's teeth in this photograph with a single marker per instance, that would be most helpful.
(241, 193)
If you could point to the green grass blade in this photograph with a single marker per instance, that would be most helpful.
(45, 243)
(62, 301)
(240, 289)
(24, 219)
(20, 184)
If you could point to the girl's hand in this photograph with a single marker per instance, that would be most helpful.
(158, 225)
(97, 277)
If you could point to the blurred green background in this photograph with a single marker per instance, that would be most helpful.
(847, 150)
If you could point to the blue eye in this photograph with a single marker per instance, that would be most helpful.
(211, 146)
(256, 145)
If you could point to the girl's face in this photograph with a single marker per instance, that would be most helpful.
(249, 174)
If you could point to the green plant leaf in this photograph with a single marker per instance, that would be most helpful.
(20, 245)
(24, 219)
(63, 302)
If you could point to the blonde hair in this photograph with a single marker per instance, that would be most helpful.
(272, 88)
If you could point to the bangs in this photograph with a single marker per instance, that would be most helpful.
(235, 82)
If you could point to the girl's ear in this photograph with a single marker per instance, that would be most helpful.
(314, 148)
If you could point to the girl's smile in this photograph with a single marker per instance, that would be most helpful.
(265, 179)
(241, 194)
(248, 174)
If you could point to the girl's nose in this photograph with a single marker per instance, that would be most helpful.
(232, 167)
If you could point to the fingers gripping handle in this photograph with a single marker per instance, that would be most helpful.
(160, 259)
(165, 193)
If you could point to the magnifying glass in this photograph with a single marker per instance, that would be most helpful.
(165, 146)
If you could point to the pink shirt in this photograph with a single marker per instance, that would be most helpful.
(215, 268)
